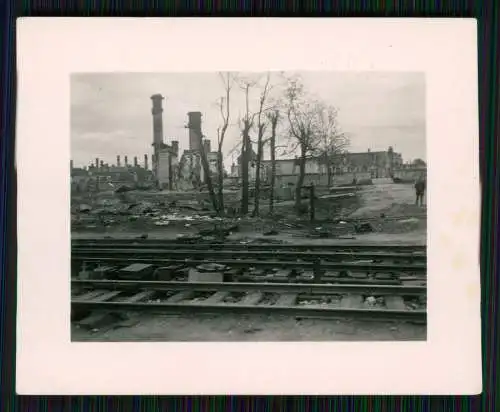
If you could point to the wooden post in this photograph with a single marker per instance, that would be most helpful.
(311, 201)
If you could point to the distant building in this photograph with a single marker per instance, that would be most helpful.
(378, 164)
(107, 177)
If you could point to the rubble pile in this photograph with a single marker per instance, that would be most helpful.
(114, 212)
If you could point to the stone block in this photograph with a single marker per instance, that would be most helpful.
(136, 271)
(196, 276)
(395, 303)
(164, 274)
(352, 302)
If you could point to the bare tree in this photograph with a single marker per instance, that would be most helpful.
(246, 147)
(273, 118)
(302, 114)
(208, 177)
(224, 106)
(331, 141)
(261, 127)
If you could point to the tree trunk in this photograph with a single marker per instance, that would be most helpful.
(273, 175)
(244, 169)
(220, 172)
(260, 149)
(208, 178)
(300, 180)
(273, 164)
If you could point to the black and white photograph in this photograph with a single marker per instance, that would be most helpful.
(236, 206)
(247, 206)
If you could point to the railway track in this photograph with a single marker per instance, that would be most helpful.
(183, 252)
(322, 263)
(201, 245)
(91, 299)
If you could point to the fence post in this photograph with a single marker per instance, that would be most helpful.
(311, 201)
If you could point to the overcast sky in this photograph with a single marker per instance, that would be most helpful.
(111, 113)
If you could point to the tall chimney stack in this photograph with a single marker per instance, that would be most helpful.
(126, 161)
(102, 164)
(118, 163)
(194, 126)
(97, 163)
(157, 112)
(135, 161)
(146, 161)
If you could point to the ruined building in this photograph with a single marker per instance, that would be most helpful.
(168, 170)
(191, 171)
(100, 176)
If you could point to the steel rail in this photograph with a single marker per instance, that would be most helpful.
(155, 243)
(298, 311)
(249, 287)
(253, 253)
(374, 267)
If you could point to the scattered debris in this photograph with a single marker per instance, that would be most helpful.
(188, 238)
(370, 301)
(363, 228)
(410, 221)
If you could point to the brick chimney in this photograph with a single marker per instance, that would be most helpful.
(135, 161)
(126, 161)
(194, 126)
(118, 163)
(146, 161)
(97, 163)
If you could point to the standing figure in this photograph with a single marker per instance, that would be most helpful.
(420, 191)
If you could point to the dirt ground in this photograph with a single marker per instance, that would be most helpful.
(252, 328)
(388, 200)
(376, 201)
